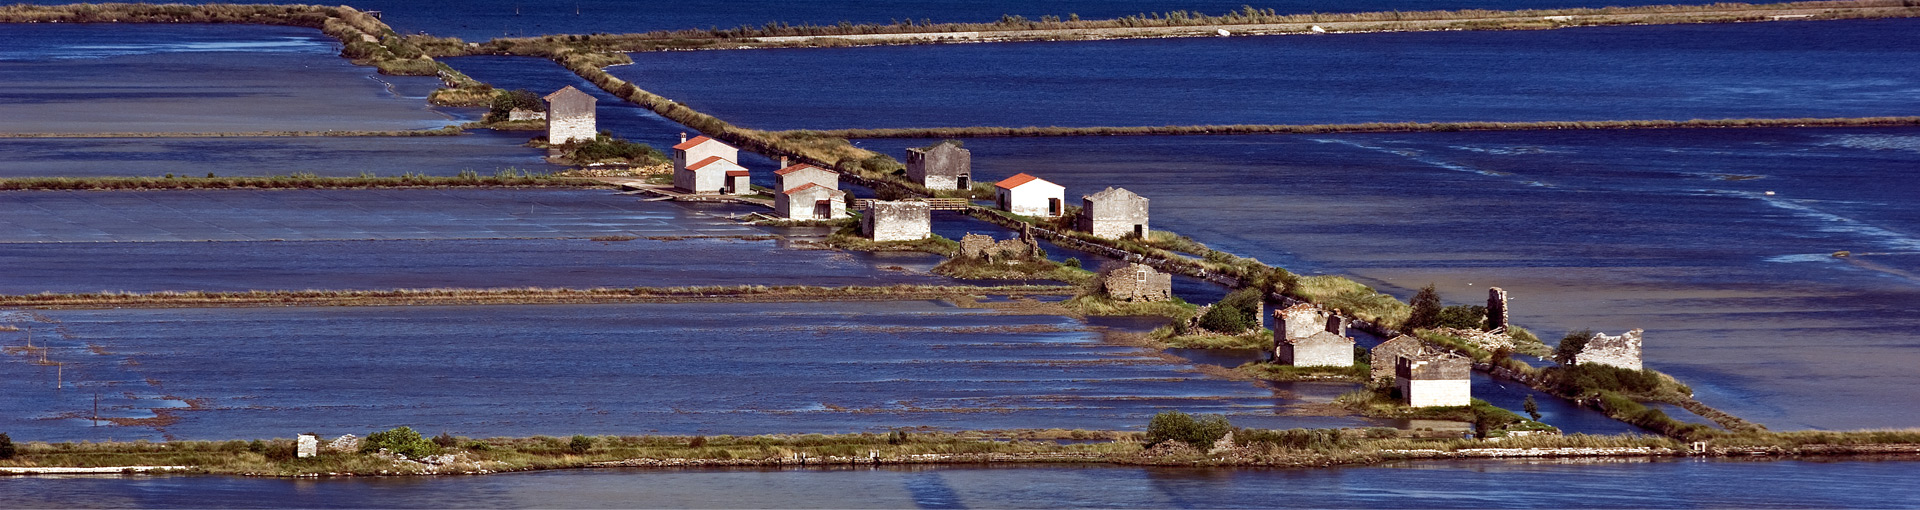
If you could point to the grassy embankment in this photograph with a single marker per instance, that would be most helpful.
(420, 297)
(1251, 447)
(1247, 21)
(505, 178)
(1369, 127)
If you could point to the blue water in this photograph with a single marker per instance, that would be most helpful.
(482, 151)
(63, 78)
(481, 20)
(1671, 231)
(1787, 69)
(483, 371)
(1607, 483)
(235, 240)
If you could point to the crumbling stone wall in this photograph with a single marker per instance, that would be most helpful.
(941, 166)
(1298, 321)
(1113, 213)
(977, 246)
(1620, 351)
(1321, 349)
(1496, 309)
(306, 446)
(1440, 379)
(1387, 355)
(906, 220)
(1138, 282)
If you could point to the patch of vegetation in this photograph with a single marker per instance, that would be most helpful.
(7, 450)
(605, 148)
(505, 102)
(1236, 313)
(1099, 305)
(1025, 268)
(1352, 298)
(1571, 345)
(1199, 433)
(402, 441)
(1200, 339)
(1358, 372)
(849, 238)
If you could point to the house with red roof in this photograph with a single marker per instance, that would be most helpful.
(808, 192)
(705, 165)
(1030, 196)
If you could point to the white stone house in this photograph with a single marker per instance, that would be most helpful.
(570, 116)
(699, 149)
(712, 175)
(1437, 379)
(1114, 213)
(905, 220)
(1030, 196)
(810, 202)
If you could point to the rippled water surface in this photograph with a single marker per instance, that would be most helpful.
(605, 369)
(66, 78)
(228, 240)
(1788, 69)
(482, 151)
(1671, 231)
(1458, 484)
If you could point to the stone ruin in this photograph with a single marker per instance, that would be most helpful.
(1138, 282)
(307, 445)
(905, 220)
(1617, 351)
(1435, 379)
(1306, 335)
(1387, 355)
(1496, 309)
(977, 246)
(345, 443)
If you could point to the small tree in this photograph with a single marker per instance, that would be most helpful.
(401, 440)
(1179, 426)
(1532, 408)
(6, 447)
(1426, 309)
(1462, 317)
(580, 444)
(1571, 345)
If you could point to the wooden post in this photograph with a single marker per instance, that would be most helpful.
(60, 371)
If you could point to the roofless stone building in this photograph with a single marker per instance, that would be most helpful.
(570, 116)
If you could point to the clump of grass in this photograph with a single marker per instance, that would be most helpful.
(1358, 372)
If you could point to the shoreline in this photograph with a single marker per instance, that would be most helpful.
(1368, 127)
(993, 448)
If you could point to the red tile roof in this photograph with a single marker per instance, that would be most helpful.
(703, 163)
(799, 167)
(801, 187)
(736, 173)
(695, 142)
(1017, 180)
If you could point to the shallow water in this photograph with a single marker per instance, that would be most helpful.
(485, 19)
(230, 240)
(1671, 231)
(1604, 483)
(603, 369)
(66, 78)
(482, 151)
(1787, 69)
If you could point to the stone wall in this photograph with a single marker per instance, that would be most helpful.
(1442, 393)
(1113, 213)
(520, 114)
(1387, 355)
(1138, 282)
(570, 129)
(1435, 379)
(1322, 349)
(1620, 351)
(906, 220)
(1497, 309)
(977, 246)
(942, 166)
(1298, 321)
(307, 445)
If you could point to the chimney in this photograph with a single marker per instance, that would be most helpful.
(783, 162)
(683, 137)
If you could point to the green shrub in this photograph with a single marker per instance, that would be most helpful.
(517, 99)
(445, 440)
(401, 440)
(1571, 345)
(1236, 313)
(6, 447)
(1296, 439)
(580, 444)
(1178, 426)
(1463, 317)
(697, 441)
(1426, 309)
